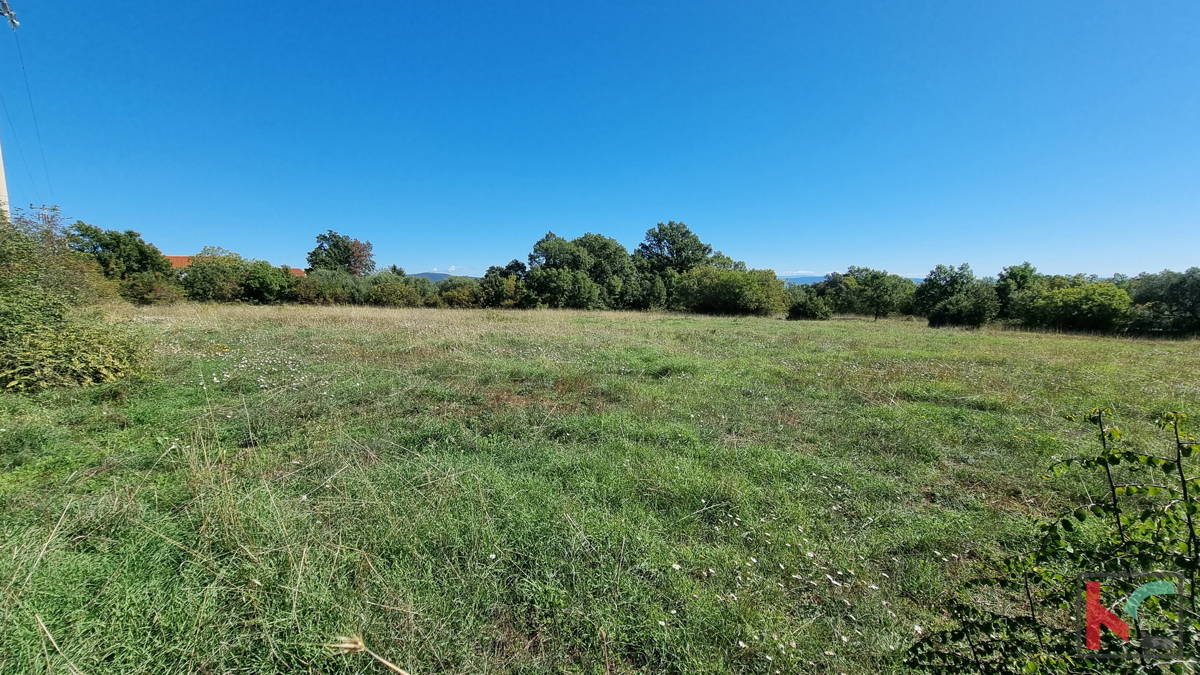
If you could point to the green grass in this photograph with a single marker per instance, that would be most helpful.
(537, 492)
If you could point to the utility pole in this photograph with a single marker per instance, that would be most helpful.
(7, 13)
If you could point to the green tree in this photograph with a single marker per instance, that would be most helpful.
(975, 306)
(879, 293)
(839, 292)
(119, 254)
(1012, 282)
(338, 252)
(673, 246)
(716, 291)
(942, 283)
(215, 275)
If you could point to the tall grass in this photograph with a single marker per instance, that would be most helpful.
(502, 492)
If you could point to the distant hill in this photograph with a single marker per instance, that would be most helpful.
(438, 276)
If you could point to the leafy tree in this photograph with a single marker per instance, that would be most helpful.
(839, 292)
(389, 290)
(338, 252)
(215, 275)
(119, 254)
(717, 291)
(942, 283)
(878, 293)
(1013, 281)
(974, 307)
(1088, 306)
(673, 246)
(264, 284)
(805, 305)
(559, 287)
(723, 262)
(1168, 301)
(501, 289)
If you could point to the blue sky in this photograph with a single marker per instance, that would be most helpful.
(798, 136)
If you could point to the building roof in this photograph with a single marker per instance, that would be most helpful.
(178, 261)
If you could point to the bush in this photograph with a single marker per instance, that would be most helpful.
(149, 288)
(717, 291)
(501, 291)
(975, 306)
(809, 308)
(559, 287)
(333, 287)
(264, 284)
(394, 293)
(1088, 306)
(82, 350)
(44, 340)
(465, 296)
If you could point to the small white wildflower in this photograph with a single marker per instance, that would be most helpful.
(676, 567)
(492, 556)
(662, 623)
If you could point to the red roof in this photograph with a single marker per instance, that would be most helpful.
(178, 261)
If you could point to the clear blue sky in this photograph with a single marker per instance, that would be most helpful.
(799, 136)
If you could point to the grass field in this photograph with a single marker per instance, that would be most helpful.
(537, 492)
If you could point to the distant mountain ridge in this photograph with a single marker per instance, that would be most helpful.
(438, 276)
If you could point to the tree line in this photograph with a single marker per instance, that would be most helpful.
(671, 269)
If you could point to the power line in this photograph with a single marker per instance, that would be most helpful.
(36, 127)
(20, 150)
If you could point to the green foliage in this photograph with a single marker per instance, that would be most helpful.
(673, 246)
(839, 292)
(809, 308)
(1168, 302)
(337, 252)
(1011, 283)
(45, 341)
(976, 305)
(264, 284)
(149, 288)
(333, 287)
(390, 291)
(144, 273)
(215, 275)
(717, 291)
(80, 349)
(942, 283)
(119, 254)
(560, 287)
(1144, 524)
(1086, 306)
(501, 288)
(878, 293)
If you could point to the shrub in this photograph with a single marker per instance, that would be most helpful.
(333, 287)
(463, 297)
(975, 306)
(809, 308)
(717, 291)
(44, 340)
(501, 291)
(394, 293)
(149, 288)
(265, 284)
(81, 350)
(1088, 306)
(215, 275)
(559, 287)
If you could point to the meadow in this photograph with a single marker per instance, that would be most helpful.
(489, 491)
